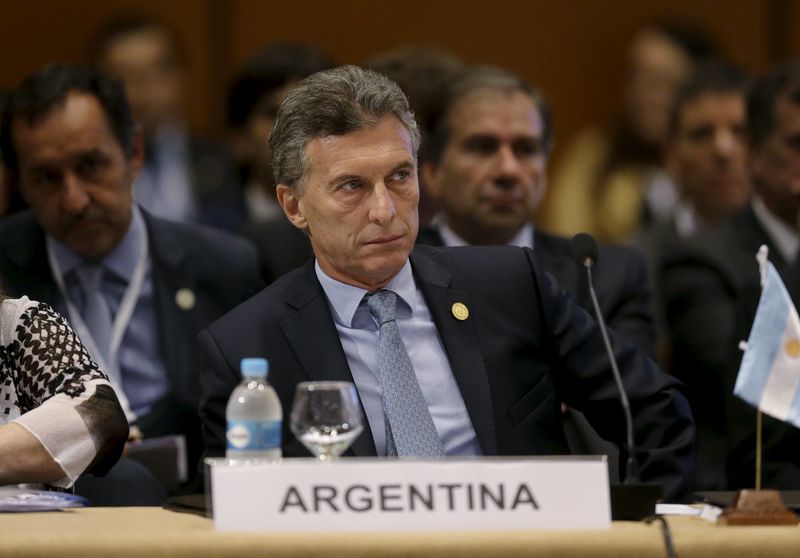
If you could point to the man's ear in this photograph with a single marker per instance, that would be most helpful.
(290, 202)
(430, 178)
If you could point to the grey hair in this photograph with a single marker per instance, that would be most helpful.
(332, 103)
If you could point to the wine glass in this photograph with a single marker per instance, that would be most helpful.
(326, 417)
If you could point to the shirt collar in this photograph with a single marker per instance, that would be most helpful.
(121, 260)
(523, 238)
(345, 299)
(786, 239)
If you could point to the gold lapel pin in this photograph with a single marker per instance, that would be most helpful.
(185, 299)
(460, 311)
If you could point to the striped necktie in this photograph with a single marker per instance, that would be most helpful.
(96, 312)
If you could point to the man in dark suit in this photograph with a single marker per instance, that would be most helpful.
(465, 351)
(706, 155)
(711, 286)
(72, 148)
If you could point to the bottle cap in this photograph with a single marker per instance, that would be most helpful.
(254, 367)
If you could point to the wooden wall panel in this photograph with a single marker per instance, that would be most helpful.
(572, 49)
(34, 33)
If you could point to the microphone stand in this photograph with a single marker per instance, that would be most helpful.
(633, 499)
(631, 465)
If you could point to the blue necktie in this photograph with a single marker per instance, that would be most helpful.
(409, 426)
(96, 312)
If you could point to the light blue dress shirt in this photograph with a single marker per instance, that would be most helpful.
(358, 333)
(164, 184)
(144, 377)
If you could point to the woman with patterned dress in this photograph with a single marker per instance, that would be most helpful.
(59, 416)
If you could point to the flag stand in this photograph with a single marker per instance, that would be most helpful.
(757, 507)
(758, 449)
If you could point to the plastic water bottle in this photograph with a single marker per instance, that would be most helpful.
(254, 415)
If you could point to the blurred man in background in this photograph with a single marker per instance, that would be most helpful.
(421, 72)
(183, 178)
(253, 101)
(711, 285)
(485, 164)
(610, 181)
(706, 156)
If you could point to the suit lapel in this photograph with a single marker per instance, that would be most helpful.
(460, 339)
(170, 274)
(312, 334)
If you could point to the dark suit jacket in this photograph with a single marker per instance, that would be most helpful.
(219, 196)
(623, 292)
(711, 286)
(620, 280)
(221, 270)
(523, 350)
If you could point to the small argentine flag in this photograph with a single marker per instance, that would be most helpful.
(769, 376)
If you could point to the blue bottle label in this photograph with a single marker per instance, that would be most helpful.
(253, 435)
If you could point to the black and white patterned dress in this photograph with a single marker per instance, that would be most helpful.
(50, 385)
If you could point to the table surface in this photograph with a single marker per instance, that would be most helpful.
(155, 532)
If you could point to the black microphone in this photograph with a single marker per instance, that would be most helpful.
(584, 248)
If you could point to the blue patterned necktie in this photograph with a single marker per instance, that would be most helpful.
(96, 312)
(409, 426)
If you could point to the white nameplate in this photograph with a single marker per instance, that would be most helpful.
(411, 495)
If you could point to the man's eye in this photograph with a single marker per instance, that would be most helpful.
(703, 133)
(45, 177)
(350, 185)
(793, 142)
(481, 146)
(526, 148)
(89, 166)
(401, 176)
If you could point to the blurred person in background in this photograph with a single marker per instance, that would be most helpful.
(705, 156)
(610, 182)
(184, 178)
(485, 164)
(253, 101)
(711, 286)
(421, 72)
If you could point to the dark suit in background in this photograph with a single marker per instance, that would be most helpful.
(219, 269)
(215, 185)
(523, 350)
(711, 286)
(281, 246)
